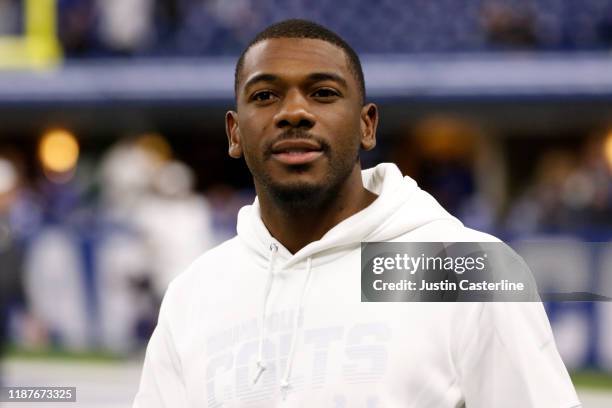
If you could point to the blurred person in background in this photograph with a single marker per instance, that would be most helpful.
(169, 19)
(589, 187)
(56, 287)
(604, 26)
(122, 263)
(154, 225)
(571, 192)
(508, 25)
(11, 250)
(176, 223)
(56, 274)
(9, 17)
(126, 26)
(76, 28)
(541, 208)
(20, 220)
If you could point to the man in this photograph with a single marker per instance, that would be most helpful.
(11, 244)
(274, 317)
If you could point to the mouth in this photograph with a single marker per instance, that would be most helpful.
(296, 151)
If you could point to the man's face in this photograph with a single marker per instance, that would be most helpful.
(299, 121)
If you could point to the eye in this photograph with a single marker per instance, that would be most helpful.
(326, 93)
(262, 96)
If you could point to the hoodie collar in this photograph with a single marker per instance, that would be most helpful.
(401, 207)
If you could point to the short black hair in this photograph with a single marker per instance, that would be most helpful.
(297, 28)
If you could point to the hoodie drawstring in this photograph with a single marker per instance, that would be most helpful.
(284, 384)
(261, 367)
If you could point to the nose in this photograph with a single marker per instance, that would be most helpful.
(294, 112)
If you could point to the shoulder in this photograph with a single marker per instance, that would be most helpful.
(207, 268)
(446, 230)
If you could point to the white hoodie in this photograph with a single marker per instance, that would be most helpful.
(251, 325)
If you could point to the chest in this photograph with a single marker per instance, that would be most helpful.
(345, 353)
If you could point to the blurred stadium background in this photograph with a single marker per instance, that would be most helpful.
(114, 173)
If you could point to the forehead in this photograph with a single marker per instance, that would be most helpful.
(294, 56)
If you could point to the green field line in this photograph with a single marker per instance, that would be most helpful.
(14, 353)
(592, 379)
(589, 379)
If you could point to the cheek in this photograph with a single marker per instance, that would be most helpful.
(344, 120)
(258, 118)
(349, 126)
(254, 126)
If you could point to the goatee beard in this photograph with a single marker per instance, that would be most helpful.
(300, 197)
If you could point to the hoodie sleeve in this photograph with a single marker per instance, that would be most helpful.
(508, 358)
(161, 383)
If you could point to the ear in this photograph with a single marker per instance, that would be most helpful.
(233, 134)
(369, 123)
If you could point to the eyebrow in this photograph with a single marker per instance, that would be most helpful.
(327, 76)
(314, 77)
(260, 78)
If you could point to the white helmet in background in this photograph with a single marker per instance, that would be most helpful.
(127, 173)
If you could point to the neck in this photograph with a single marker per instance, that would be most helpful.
(295, 227)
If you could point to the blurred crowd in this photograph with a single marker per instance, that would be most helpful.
(103, 28)
(88, 250)
(88, 247)
(556, 188)
(571, 191)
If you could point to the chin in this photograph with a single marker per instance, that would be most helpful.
(304, 187)
(296, 191)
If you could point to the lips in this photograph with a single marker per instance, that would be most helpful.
(296, 151)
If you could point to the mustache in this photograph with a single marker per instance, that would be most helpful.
(298, 134)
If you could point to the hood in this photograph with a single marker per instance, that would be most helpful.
(401, 207)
